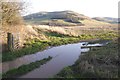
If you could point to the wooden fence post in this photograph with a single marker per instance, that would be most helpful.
(10, 41)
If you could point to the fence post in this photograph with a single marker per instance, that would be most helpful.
(10, 41)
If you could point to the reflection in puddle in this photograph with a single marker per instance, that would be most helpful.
(85, 49)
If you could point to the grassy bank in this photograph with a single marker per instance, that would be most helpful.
(25, 68)
(100, 62)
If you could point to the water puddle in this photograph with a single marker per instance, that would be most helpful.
(63, 56)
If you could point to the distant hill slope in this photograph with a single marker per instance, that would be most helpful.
(58, 18)
(107, 19)
(64, 18)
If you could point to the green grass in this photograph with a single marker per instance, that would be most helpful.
(99, 41)
(63, 41)
(65, 73)
(25, 68)
(55, 34)
(100, 62)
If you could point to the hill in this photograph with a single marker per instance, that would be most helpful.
(63, 18)
(107, 19)
(58, 18)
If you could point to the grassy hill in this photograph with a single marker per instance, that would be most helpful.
(107, 19)
(60, 18)
(66, 18)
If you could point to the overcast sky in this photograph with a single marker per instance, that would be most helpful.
(91, 8)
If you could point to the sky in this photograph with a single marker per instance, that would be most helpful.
(91, 8)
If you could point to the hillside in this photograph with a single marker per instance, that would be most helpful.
(60, 18)
(63, 18)
(107, 19)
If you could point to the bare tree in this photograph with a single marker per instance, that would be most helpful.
(11, 13)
